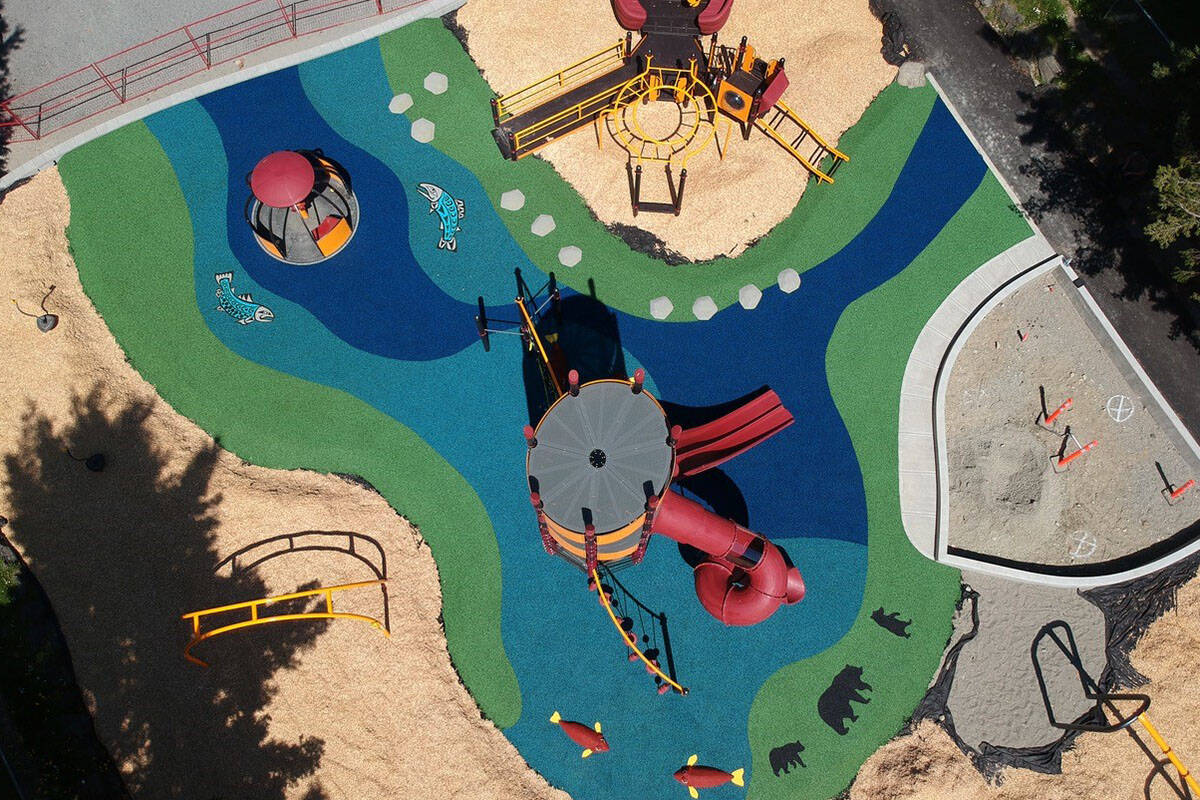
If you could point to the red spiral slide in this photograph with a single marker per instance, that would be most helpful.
(745, 578)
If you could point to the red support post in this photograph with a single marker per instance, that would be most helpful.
(573, 383)
(589, 547)
(196, 45)
(530, 439)
(8, 110)
(673, 437)
(291, 23)
(647, 524)
(104, 78)
(639, 378)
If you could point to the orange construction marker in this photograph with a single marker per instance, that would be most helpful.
(1064, 407)
(1178, 493)
(1067, 459)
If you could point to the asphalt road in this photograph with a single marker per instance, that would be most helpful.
(993, 96)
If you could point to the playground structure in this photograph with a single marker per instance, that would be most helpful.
(313, 193)
(710, 89)
(600, 463)
(362, 548)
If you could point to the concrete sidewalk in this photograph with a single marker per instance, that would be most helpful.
(61, 36)
(28, 158)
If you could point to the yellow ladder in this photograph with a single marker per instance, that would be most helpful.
(794, 135)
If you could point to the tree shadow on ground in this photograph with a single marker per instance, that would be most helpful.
(1099, 135)
(122, 553)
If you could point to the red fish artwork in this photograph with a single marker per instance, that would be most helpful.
(697, 776)
(590, 739)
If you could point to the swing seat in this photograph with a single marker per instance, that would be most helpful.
(332, 234)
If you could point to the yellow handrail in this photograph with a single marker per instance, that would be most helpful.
(1169, 753)
(566, 118)
(556, 83)
(632, 644)
(255, 619)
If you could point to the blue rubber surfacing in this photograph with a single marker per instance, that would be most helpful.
(392, 312)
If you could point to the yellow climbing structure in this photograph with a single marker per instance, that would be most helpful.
(795, 135)
(255, 609)
(632, 645)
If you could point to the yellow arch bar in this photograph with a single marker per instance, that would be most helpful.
(256, 619)
(650, 664)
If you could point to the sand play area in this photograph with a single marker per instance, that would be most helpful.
(124, 552)
(1006, 498)
(833, 63)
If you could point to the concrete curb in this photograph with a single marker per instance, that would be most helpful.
(47, 151)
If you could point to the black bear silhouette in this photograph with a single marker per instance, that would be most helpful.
(834, 703)
(786, 756)
(891, 622)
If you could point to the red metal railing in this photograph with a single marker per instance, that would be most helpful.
(178, 54)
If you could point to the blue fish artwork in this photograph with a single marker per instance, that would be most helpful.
(449, 210)
(239, 306)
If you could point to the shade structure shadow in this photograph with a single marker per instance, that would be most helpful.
(122, 554)
(582, 334)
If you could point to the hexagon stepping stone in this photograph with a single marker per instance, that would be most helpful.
(661, 307)
(704, 307)
(422, 130)
(569, 256)
(512, 200)
(436, 83)
(789, 280)
(542, 225)
(749, 295)
(400, 103)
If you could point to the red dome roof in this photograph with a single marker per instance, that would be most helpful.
(282, 179)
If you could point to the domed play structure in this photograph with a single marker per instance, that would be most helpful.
(710, 88)
(301, 207)
(601, 463)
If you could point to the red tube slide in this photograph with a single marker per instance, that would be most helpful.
(745, 578)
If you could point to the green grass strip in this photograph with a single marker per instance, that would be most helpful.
(824, 221)
(263, 415)
(865, 361)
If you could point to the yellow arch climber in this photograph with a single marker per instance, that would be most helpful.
(256, 618)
